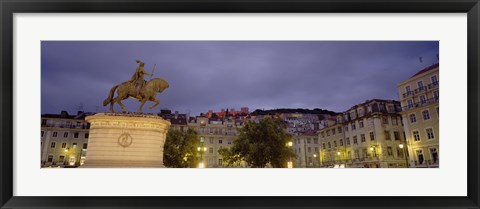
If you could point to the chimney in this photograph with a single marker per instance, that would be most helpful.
(64, 114)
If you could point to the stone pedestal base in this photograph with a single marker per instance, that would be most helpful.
(125, 140)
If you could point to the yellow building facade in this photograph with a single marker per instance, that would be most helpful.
(419, 97)
(368, 135)
(64, 139)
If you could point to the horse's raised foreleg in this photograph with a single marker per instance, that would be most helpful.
(156, 103)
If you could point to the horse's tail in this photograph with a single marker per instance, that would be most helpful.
(110, 96)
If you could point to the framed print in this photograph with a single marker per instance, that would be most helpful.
(243, 104)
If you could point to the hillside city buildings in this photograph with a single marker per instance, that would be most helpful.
(377, 133)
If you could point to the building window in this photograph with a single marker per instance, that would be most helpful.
(323, 145)
(413, 119)
(360, 124)
(339, 129)
(434, 80)
(341, 142)
(220, 141)
(210, 150)
(346, 128)
(399, 153)
(372, 136)
(347, 141)
(75, 135)
(416, 136)
(329, 145)
(86, 135)
(50, 158)
(315, 141)
(419, 156)
(434, 154)
(322, 134)
(420, 85)
(333, 131)
(220, 162)
(435, 95)
(65, 134)
(309, 141)
(385, 119)
(335, 143)
(362, 137)
(84, 146)
(355, 140)
(316, 149)
(396, 135)
(328, 132)
(353, 126)
(408, 90)
(52, 145)
(64, 145)
(61, 158)
(74, 145)
(430, 133)
(394, 121)
(55, 134)
(211, 140)
(387, 135)
(410, 103)
(309, 149)
(423, 100)
(426, 115)
(389, 151)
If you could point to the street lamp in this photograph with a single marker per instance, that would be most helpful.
(201, 149)
(404, 154)
(290, 163)
(314, 159)
(339, 154)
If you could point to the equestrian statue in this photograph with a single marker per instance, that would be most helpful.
(138, 89)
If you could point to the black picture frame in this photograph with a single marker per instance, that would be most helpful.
(9, 7)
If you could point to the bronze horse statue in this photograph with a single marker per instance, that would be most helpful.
(147, 93)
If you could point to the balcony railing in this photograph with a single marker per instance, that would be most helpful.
(421, 103)
(422, 89)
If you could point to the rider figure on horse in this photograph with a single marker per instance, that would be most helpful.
(137, 79)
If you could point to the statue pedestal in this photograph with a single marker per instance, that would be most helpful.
(125, 140)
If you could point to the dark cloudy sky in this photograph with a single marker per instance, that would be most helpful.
(209, 75)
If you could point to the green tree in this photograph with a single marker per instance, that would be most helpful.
(261, 143)
(180, 149)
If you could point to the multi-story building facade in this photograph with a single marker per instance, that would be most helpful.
(64, 139)
(367, 135)
(419, 97)
(306, 147)
(215, 134)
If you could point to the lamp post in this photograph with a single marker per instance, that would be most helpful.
(201, 149)
(404, 154)
(339, 154)
(290, 163)
(374, 152)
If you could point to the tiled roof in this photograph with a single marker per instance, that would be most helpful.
(431, 67)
